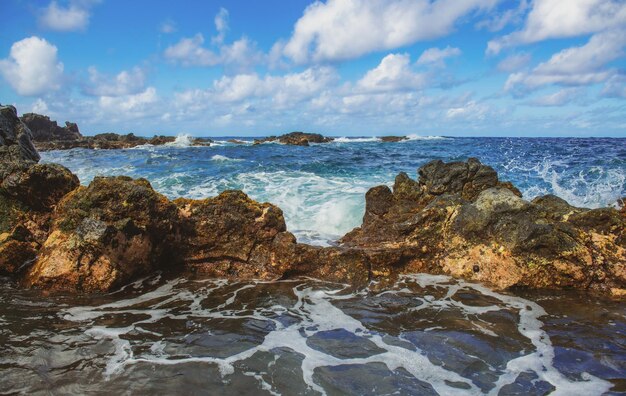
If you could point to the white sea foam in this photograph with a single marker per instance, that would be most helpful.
(316, 311)
(592, 187)
(357, 139)
(182, 140)
(419, 137)
(223, 158)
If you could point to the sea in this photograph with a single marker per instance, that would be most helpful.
(424, 335)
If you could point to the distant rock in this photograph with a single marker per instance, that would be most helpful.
(296, 139)
(45, 130)
(236, 141)
(393, 139)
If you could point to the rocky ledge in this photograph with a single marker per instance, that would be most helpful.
(458, 219)
(296, 139)
(47, 135)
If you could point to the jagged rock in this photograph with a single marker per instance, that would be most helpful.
(393, 139)
(296, 139)
(106, 234)
(459, 219)
(233, 236)
(45, 130)
(15, 139)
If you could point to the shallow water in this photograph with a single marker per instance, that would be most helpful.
(321, 188)
(425, 335)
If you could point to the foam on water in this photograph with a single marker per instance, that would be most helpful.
(223, 158)
(182, 140)
(356, 140)
(316, 311)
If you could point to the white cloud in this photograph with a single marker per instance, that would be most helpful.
(168, 27)
(75, 16)
(40, 107)
(555, 19)
(241, 54)
(615, 87)
(221, 24)
(576, 65)
(472, 110)
(345, 29)
(124, 83)
(437, 55)
(559, 98)
(499, 20)
(32, 67)
(392, 74)
(514, 62)
(137, 103)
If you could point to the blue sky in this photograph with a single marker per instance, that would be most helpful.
(339, 67)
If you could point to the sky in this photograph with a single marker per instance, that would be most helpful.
(337, 67)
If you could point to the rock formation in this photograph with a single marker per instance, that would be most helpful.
(393, 139)
(296, 139)
(458, 219)
(45, 130)
(47, 135)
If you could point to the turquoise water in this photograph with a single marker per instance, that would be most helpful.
(321, 188)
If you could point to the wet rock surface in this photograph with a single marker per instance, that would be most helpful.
(393, 139)
(457, 219)
(296, 139)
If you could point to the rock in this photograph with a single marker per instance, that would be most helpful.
(296, 139)
(458, 219)
(15, 139)
(45, 130)
(107, 234)
(233, 236)
(393, 139)
(236, 141)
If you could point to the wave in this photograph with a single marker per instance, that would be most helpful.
(419, 137)
(223, 158)
(182, 140)
(357, 139)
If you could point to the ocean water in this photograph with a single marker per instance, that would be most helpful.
(321, 189)
(425, 335)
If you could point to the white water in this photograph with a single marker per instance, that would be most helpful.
(316, 311)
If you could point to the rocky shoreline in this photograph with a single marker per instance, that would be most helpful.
(48, 135)
(457, 219)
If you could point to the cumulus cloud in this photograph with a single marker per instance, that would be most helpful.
(137, 103)
(437, 55)
(346, 29)
(241, 54)
(125, 83)
(615, 87)
(553, 19)
(576, 65)
(32, 67)
(392, 74)
(74, 16)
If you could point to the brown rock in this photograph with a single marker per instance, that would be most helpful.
(393, 139)
(296, 139)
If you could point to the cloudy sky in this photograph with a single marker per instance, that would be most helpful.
(339, 67)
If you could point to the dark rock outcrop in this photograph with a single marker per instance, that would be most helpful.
(45, 130)
(15, 139)
(393, 139)
(296, 139)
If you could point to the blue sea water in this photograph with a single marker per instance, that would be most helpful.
(321, 188)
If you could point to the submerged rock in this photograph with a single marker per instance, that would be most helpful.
(296, 139)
